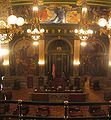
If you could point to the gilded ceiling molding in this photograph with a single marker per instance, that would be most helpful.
(105, 3)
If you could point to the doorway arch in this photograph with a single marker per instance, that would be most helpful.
(59, 54)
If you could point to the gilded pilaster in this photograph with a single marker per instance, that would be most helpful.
(76, 59)
(41, 57)
(109, 70)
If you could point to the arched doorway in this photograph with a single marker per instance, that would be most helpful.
(59, 56)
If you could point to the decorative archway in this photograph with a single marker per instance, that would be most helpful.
(57, 38)
(94, 59)
(59, 54)
(23, 58)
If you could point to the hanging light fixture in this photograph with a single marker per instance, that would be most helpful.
(35, 31)
(8, 27)
(105, 22)
(102, 22)
(84, 32)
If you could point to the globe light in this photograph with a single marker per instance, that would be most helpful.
(89, 31)
(102, 22)
(12, 19)
(35, 31)
(81, 31)
(28, 30)
(35, 8)
(4, 52)
(76, 31)
(35, 43)
(83, 44)
(42, 30)
(20, 21)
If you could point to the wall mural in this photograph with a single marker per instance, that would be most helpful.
(61, 13)
(49, 14)
(58, 15)
(93, 60)
(24, 58)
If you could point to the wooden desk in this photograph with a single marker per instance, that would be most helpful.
(59, 97)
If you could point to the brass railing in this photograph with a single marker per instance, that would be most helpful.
(66, 105)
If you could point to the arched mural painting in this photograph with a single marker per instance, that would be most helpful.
(23, 58)
(93, 59)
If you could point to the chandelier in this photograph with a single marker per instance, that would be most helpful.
(105, 26)
(83, 32)
(36, 32)
(105, 20)
(102, 22)
(8, 24)
(7, 30)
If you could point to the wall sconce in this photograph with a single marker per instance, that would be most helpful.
(109, 63)
(41, 62)
(35, 43)
(4, 52)
(76, 62)
(6, 62)
(83, 44)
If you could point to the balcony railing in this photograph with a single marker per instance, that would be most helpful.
(70, 110)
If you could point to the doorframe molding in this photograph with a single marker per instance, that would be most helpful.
(56, 38)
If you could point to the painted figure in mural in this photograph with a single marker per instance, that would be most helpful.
(60, 15)
(25, 61)
(23, 52)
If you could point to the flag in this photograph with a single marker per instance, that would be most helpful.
(53, 70)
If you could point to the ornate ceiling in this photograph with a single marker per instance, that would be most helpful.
(53, 8)
(106, 3)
